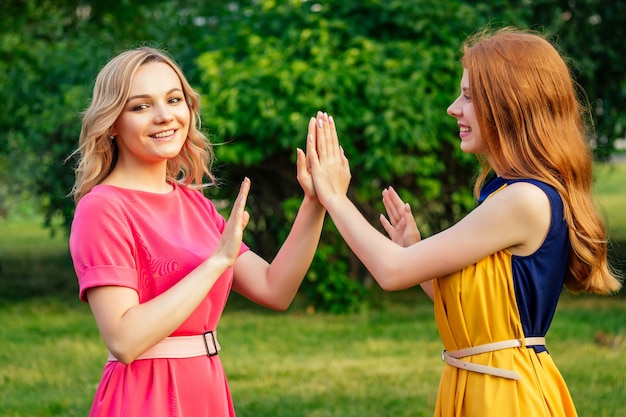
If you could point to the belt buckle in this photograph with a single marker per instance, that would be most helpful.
(210, 341)
(443, 355)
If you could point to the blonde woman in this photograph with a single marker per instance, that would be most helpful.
(496, 275)
(154, 259)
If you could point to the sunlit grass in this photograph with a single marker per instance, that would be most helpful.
(374, 363)
(367, 364)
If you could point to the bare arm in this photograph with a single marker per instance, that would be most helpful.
(129, 328)
(516, 218)
(275, 284)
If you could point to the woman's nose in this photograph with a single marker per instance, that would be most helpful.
(163, 114)
(454, 109)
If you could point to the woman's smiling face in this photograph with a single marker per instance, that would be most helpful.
(154, 123)
(462, 110)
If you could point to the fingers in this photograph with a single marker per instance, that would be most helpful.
(394, 197)
(320, 135)
(410, 221)
(345, 164)
(244, 189)
(311, 142)
(327, 139)
(395, 232)
(305, 174)
(386, 225)
(245, 217)
(330, 133)
(301, 162)
(230, 242)
(312, 126)
(392, 209)
(311, 138)
(323, 142)
(240, 202)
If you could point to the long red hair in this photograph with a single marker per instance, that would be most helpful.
(533, 126)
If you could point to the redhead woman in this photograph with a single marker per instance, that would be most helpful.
(496, 275)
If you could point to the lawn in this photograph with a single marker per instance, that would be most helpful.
(382, 361)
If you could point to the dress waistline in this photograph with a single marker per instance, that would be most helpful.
(176, 347)
(453, 358)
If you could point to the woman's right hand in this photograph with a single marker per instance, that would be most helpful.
(400, 226)
(329, 166)
(230, 242)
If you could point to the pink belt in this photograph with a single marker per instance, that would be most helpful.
(453, 358)
(176, 347)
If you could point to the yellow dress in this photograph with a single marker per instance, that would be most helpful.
(505, 297)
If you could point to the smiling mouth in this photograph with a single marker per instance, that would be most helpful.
(164, 134)
(465, 129)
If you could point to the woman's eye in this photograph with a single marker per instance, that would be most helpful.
(176, 100)
(139, 107)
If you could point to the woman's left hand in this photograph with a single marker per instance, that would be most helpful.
(304, 167)
(400, 226)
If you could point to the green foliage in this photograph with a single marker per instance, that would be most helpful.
(327, 288)
(592, 33)
(50, 52)
(386, 70)
(370, 64)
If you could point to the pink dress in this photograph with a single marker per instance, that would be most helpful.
(148, 242)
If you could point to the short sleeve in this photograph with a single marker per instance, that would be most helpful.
(102, 245)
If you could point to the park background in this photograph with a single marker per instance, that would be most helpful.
(386, 70)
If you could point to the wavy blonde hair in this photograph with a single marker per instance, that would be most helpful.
(98, 152)
(533, 126)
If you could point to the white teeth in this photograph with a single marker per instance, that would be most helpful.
(164, 134)
(465, 129)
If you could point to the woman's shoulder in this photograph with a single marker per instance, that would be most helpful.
(522, 186)
(529, 185)
(522, 197)
(525, 192)
(196, 195)
(537, 183)
(98, 198)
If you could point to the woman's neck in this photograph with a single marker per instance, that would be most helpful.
(151, 179)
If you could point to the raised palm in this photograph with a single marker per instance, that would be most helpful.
(400, 226)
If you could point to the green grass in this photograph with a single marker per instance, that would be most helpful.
(611, 189)
(32, 263)
(383, 361)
